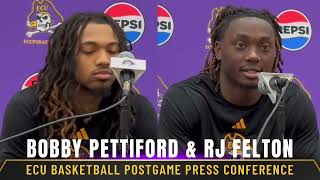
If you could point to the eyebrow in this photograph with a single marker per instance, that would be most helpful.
(96, 44)
(262, 38)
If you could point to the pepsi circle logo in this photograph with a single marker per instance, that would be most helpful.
(129, 19)
(30, 81)
(165, 25)
(295, 29)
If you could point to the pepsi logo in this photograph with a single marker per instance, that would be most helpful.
(295, 29)
(30, 81)
(129, 19)
(165, 25)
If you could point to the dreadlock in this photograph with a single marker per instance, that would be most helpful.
(57, 80)
(222, 18)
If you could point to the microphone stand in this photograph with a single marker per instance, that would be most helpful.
(124, 124)
(280, 114)
(125, 113)
(124, 119)
(125, 110)
(279, 109)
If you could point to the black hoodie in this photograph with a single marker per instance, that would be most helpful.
(194, 110)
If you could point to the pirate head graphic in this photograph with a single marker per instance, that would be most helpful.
(43, 18)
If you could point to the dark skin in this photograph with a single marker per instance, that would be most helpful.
(97, 45)
(248, 47)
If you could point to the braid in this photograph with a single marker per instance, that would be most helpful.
(222, 18)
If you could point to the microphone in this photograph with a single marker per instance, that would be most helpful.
(127, 70)
(274, 85)
(277, 82)
(271, 83)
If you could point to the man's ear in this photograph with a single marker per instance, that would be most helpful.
(217, 50)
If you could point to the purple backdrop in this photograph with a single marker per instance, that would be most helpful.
(180, 57)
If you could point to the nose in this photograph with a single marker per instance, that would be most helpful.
(104, 59)
(253, 55)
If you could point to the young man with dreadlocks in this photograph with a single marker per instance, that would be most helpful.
(223, 102)
(77, 79)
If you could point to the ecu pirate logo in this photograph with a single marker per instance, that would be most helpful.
(43, 18)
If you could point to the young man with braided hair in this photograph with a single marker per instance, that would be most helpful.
(223, 101)
(77, 79)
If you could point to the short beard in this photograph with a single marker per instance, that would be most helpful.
(104, 92)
